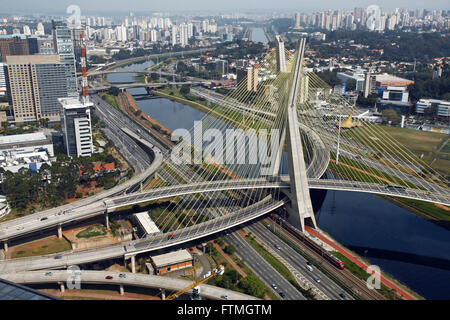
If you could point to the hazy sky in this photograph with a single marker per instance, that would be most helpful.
(59, 6)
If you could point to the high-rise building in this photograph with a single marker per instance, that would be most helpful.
(281, 55)
(173, 35)
(26, 30)
(3, 85)
(184, 36)
(76, 126)
(35, 82)
(252, 79)
(3, 79)
(222, 66)
(297, 20)
(154, 35)
(17, 44)
(40, 29)
(63, 45)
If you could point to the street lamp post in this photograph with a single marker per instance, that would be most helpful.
(339, 141)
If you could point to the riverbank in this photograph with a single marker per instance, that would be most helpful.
(127, 104)
(358, 267)
(428, 211)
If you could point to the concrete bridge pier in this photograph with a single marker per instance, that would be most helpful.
(133, 264)
(163, 294)
(5, 246)
(121, 290)
(106, 220)
(59, 231)
(61, 286)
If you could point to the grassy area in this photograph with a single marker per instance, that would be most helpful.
(356, 171)
(363, 275)
(53, 245)
(277, 265)
(418, 142)
(141, 78)
(172, 172)
(422, 208)
(92, 231)
(109, 99)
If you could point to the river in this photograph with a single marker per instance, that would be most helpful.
(400, 243)
(259, 35)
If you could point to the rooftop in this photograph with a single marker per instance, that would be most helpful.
(34, 59)
(429, 101)
(391, 79)
(73, 103)
(170, 258)
(21, 138)
(146, 222)
(10, 36)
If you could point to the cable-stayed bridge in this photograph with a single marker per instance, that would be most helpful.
(222, 188)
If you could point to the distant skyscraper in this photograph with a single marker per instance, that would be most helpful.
(154, 35)
(26, 30)
(184, 35)
(63, 45)
(35, 82)
(40, 29)
(17, 44)
(173, 35)
(297, 20)
(122, 33)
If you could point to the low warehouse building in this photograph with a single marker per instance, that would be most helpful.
(172, 261)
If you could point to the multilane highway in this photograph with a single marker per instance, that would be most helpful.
(263, 269)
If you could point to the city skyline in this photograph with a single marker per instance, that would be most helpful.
(139, 6)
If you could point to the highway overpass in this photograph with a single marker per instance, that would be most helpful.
(44, 220)
(130, 279)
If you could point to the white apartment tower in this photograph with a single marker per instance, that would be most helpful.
(76, 126)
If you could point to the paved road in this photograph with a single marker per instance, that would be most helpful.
(326, 289)
(262, 268)
(130, 279)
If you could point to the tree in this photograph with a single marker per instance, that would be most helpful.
(114, 91)
(330, 78)
(251, 285)
(185, 89)
(44, 122)
(350, 85)
(230, 249)
(154, 76)
(389, 115)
